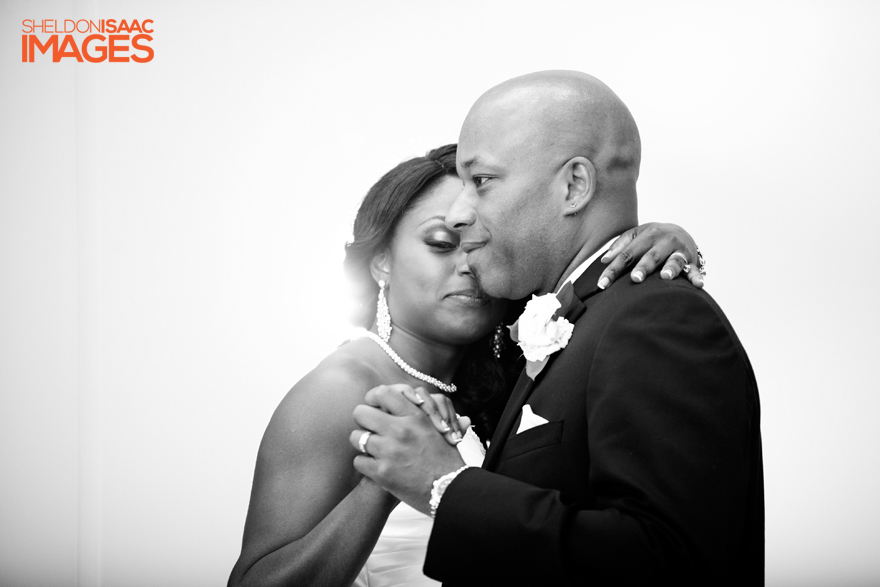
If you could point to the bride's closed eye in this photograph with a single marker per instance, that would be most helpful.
(442, 241)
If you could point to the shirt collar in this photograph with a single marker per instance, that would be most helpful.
(583, 266)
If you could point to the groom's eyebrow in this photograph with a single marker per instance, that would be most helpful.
(475, 161)
(470, 162)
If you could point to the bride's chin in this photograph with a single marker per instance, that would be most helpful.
(467, 333)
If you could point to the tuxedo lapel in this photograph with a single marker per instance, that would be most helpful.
(517, 399)
(584, 288)
(587, 284)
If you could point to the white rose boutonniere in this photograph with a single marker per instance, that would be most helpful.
(540, 331)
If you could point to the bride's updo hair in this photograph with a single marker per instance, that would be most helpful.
(484, 382)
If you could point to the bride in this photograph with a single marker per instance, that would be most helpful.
(312, 519)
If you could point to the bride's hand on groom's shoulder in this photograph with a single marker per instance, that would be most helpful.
(656, 245)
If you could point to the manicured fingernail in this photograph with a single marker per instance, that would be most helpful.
(446, 427)
(420, 398)
(456, 436)
(666, 274)
(603, 283)
(638, 276)
(605, 258)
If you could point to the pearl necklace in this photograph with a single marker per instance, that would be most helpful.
(445, 387)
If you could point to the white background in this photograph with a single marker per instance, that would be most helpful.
(171, 236)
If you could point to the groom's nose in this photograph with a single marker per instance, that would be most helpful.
(462, 213)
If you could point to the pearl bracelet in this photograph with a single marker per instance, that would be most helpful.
(439, 487)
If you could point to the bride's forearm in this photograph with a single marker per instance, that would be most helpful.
(331, 553)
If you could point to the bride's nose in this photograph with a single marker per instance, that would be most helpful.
(462, 267)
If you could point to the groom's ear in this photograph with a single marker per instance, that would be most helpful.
(380, 266)
(579, 175)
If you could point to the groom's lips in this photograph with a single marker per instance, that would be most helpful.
(469, 246)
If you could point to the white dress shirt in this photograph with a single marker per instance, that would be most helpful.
(583, 266)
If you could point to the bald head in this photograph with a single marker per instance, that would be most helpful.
(556, 115)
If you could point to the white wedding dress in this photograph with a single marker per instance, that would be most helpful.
(399, 554)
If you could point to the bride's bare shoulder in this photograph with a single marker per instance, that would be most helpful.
(348, 370)
(310, 428)
(330, 391)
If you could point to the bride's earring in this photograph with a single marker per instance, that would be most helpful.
(383, 318)
(498, 341)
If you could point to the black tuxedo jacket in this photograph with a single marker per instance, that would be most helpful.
(649, 470)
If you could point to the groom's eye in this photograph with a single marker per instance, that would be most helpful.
(479, 180)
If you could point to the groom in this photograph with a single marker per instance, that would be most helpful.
(630, 449)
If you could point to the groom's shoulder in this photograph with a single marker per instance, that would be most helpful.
(673, 311)
(678, 297)
(625, 291)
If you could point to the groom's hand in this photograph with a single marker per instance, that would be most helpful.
(405, 454)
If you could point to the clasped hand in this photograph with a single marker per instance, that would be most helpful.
(412, 441)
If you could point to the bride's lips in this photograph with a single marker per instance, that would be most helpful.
(470, 297)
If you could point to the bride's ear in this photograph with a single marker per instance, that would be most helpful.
(380, 266)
